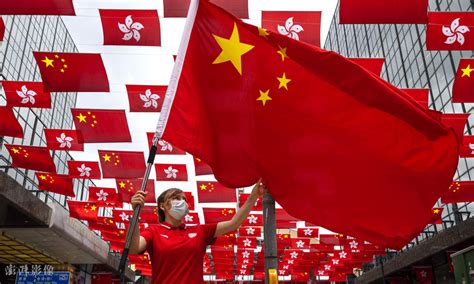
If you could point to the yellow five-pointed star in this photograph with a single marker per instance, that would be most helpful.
(232, 49)
(203, 187)
(467, 71)
(282, 52)
(43, 177)
(436, 211)
(262, 32)
(82, 118)
(15, 150)
(122, 184)
(264, 97)
(283, 81)
(106, 158)
(93, 207)
(48, 62)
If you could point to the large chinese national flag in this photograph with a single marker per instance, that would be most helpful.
(131, 27)
(122, 164)
(298, 25)
(463, 87)
(101, 125)
(31, 157)
(450, 31)
(383, 11)
(9, 125)
(373, 65)
(43, 7)
(61, 184)
(63, 139)
(72, 72)
(253, 104)
(26, 94)
(179, 8)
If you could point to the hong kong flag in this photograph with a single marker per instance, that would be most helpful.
(50, 182)
(171, 172)
(122, 216)
(101, 125)
(84, 169)
(209, 191)
(26, 94)
(247, 242)
(459, 191)
(255, 219)
(72, 72)
(127, 188)
(31, 157)
(304, 26)
(215, 215)
(63, 139)
(145, 98)
(83, 210)
(163, 147)
(307, 232)
(179, 8)
(250, 231)
(374, 65)
(463, 87)
(103, 195)
(131, 27)
(44, 7)
(122, 164)
(9, 125)
(450, 31)
(300, 243)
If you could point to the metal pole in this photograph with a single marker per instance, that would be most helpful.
(269, 235)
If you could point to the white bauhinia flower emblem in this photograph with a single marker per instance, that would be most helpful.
(294, 254)
(342, 254)
(252, 219)
(102, 195)
(327, 267)
(250, 231)
(27, 96)
(149, 99)
(286, 267)
(290, 261)
(320, 272)
(308, 232)
(243, 271)
(84, 170)
(188, 218)
(335, 261)
(165, 146)
(353, 244)
(124, 216)
(290, 29)
(171, 173)
(471, 146)
(245, 261)
(64, 140)
(299, 244)
(130, 29)
(282, 272)
(245, 254)
(247, 243)
(455, 32)
(204, 269)
(423, 274)
(243, 266)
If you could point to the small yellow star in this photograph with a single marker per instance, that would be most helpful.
(264, 97)
(106, 158)
(15, 150)
(283, 81)
(231, 211)
(82, 118)
(93, 207)
(282, 52)
(467, 71)
(43, 177)
(48, 62)
(262, 32)
(122, 184)
(436, 211)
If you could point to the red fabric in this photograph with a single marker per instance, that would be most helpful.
(258, 205)
(247, 242)
(26, 94)
(192, 219)
(96, 127)
(373, 65)
(2, 29)
(122, 216)
(122, 164)
(163, 147)
(209, 191)
(63, 139)
(31, 157)
(308, 232)
(436, 215)
(44, 7)
(103, 195)
(103, 278)
(128, 187)
(149, 214)
(201, 167)
(144, 98)
(332, 239)
(83, 210)
(254, 219)
(457, 121)
(463, 87)
(131, 27)
(61, 184)
(250, 231)
(84, 169)
(72, 72)
(9, 125)
(419, 95)
(383, 12)
(396, 151)
(299, 25)
(424, 274)
(459, 191)
(449, 31)
(300, 243)
(171, 172)
(189, 199)
(179, 8)
(177, 254)
(215, 215)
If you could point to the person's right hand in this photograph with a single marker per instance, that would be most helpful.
(138, 199)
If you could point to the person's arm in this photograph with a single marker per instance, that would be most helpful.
(239, 217)
(138, 243)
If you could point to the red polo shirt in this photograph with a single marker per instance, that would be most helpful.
(177, 253)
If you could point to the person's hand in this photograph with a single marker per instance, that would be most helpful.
(138, 199)
(258, 189)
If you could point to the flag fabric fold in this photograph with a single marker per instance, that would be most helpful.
(9, 125)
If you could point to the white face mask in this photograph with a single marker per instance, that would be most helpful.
(179, 209)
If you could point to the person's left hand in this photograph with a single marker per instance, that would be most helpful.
(258, 189)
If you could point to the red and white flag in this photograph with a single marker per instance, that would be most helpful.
(171, 172)
(63, 139)
(144, 98)
(308, 232)
(163, 147)
(103, 195)
(26, 94)
(84, 169)
(450, 31)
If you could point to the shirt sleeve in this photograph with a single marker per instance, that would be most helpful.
(209, 230)
(148, 235)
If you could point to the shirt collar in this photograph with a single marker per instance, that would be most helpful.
(171, 227)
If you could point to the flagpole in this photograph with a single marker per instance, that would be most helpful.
(161, 125)
(269, 236)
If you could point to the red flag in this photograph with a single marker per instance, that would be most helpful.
(383, 12)
(424, 274)
(101, 125)
(467, 148)
(103, 278)
(63, 139)
(171, 172)
(163, 147)
(247, 242)
(144, 98)
(189, 199)
(103, 195)
(332, 239)
(179, 8)
(250, 231)
(122, 164)
(72, 72)
(209, 191)
(215, 215)
(84, 169)
(31, 157)
(192, 219)
(450, 31)
(456, 121)
(300, 243)
(307, 232)
(9, 125)
(149, 214)
(436, 215)
(201, 167)
(43, 7)
(255, 219)
(463, 87)
(285, 220)
(83, 210)
(419, 95)
(258, 204)
(459, 191)
(2, 30)
(373, 65)
(26, 94)
(304, 26)
(128, 187)
(122, 216)
(233, 135)
(131, 27)
(61, 184)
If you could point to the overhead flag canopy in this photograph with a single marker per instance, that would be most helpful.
(43, 7)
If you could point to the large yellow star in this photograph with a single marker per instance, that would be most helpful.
(436, 211)
(283, 81)
(467, 71)
(282, 52)
(122, 184)
(15, 150)
(264, 97)
(93, 207)
(106, 158)
(203, 187)
(82, 118)
(48, 62)
(232, 49)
